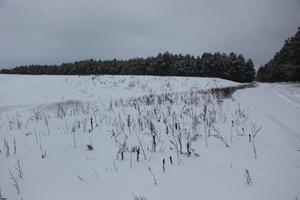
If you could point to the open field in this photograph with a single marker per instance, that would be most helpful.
(137, 137)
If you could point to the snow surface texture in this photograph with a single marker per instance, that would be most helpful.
(43, 89)
(76, 137)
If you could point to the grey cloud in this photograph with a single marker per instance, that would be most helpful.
(56, 31)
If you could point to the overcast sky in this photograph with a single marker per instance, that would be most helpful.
(56, 31)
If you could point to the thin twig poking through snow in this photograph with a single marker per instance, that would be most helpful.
(15, 181)
(140, 142)
(115, 167)
(46, 123)
(138, 197)
(253, 134)
(248, 177)
(96, 173)
(15, 146)
(6, 145)
(154, 179)
(79, 177)
(255, 130)
(19, 169)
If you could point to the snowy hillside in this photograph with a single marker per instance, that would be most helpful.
(138, 138)
(33, 90)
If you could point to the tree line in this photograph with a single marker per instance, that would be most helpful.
(232, 67)
(285, 65)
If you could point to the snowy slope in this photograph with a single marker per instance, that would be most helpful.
(27, 89)
(276, 108)
(51, 120)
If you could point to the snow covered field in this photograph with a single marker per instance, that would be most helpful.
(136, 137)
(34, 90)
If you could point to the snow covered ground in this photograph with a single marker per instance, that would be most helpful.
(76, 137)
(34, 90)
